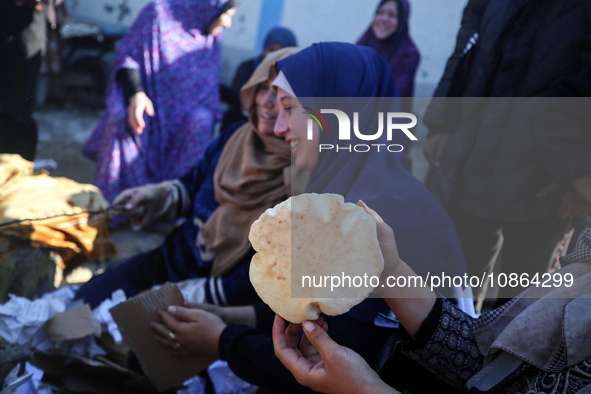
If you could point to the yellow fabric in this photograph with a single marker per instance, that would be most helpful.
(60, 214)
(12, 165)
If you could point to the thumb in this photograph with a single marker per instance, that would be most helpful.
(320, 339)
(137, 197)
(123, 196)
(150, 108)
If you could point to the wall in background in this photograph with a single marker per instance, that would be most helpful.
(433, 25)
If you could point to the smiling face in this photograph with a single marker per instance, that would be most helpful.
(385, 22)
(267, 108)
(292, 125)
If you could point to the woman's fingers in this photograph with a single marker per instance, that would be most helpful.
(139, 104)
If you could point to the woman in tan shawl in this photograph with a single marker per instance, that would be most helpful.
(244, 171)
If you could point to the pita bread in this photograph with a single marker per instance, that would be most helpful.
(316, 238)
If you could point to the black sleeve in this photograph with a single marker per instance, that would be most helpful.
(435, 117)
(250, 355)
(264, 317)
(426, 331)
(130, 81)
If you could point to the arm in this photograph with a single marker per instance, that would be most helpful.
(427, 320)
(411, 305)
(437, 118)
(138, 101)
(169, 200)
(469, 25)
(148, 204)
(245, 315)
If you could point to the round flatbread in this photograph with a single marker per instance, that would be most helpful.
(328, 247)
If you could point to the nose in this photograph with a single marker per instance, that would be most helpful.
(226, 21)
(270, 99)
(282, 127)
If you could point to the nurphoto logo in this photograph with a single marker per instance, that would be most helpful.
(394, 124)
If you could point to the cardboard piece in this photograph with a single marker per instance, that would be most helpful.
(116, 352)
(133, 318)
(73, 324)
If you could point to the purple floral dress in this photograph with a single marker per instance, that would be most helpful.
(179, 65)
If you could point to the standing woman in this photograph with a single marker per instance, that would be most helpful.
(163, 98)
(388, 35)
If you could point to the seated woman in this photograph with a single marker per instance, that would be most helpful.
(427, 234)
(277, 38)
(537, 342)
(245, 171)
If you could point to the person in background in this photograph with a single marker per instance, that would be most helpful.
(277, 38)
(162, 102)
(389, 36)
(514, 174)
(22, 47)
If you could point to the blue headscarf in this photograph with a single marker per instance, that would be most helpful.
(280, 35)
(424, 233)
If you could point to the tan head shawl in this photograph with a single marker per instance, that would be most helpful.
(252, 175)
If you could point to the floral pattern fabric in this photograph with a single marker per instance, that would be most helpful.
(179, 65)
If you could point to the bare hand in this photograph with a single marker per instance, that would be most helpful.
(145, 205)
(195, 331)
(435, 147)
(322, 364)
(132, 202)
(138, 104)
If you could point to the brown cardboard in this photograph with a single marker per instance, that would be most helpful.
(133, 318)
(73, 324)
(116, 352)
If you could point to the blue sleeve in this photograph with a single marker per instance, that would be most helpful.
(250, 355)
(198, 174)
(234, 288)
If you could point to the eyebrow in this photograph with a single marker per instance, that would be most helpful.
(287, 97)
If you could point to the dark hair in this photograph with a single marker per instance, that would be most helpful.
(226, 7)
